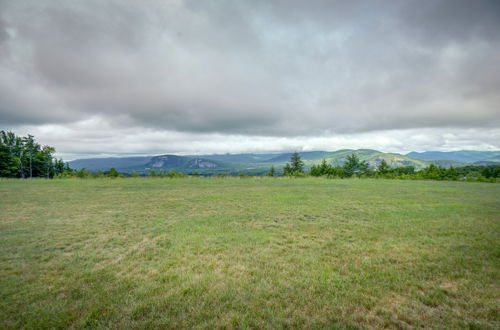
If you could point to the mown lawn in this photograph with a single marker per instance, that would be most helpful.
(249, 253)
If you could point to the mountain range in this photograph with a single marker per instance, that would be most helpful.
(466, 156)
(253, 163)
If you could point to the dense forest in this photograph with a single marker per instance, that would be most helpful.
(23, 157)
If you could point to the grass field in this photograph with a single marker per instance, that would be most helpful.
(249, 253)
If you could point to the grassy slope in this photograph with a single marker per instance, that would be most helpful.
(266, 253)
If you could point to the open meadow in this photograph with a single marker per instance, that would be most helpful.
(249, 253)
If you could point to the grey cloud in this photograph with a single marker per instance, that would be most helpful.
(453, 20)
(271, 68)
(94, 137)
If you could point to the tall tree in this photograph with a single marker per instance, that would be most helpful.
(8, 164)
(47, 155)
(296, 165)
(29, 142)
(16, 147)
(17, 151)
(20, 148)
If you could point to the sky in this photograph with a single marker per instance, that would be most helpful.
(119, 77)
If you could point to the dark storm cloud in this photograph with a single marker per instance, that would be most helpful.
(274, 68)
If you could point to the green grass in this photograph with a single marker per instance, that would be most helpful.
(249, 253)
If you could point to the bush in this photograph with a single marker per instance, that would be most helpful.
(112, 173)
(83, 173)
(175, 174)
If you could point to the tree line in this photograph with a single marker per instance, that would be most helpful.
(113, 173)
(23, 157)
(354, 167)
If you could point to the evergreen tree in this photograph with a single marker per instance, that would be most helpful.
(315, 170)
(29, 142)
(59, 166)
(322, 169)
(272, 171)
(112, 173)
(8, 164)
(383, 168)
(47, 155)
(295, 167)
(354, 166)
(296, 164)
(16, 147)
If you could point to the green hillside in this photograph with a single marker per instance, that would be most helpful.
(337, 158)
(374, 158)
(466, 156)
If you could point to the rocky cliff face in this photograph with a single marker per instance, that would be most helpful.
(180, 162)
(201, 163)
(158, 162)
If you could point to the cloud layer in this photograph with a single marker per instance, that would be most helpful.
(256, 69)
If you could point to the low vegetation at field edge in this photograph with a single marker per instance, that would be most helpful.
(249, 253)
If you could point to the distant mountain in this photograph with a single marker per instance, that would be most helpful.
(466, 156)
(185, 164)
(374, 158)
(239, 158)
(144, 164)
(448, 163)
(103, 164)
(486, 163)
(257, 164)
(305, 156)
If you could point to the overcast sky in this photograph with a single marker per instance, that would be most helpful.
(98, 77)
